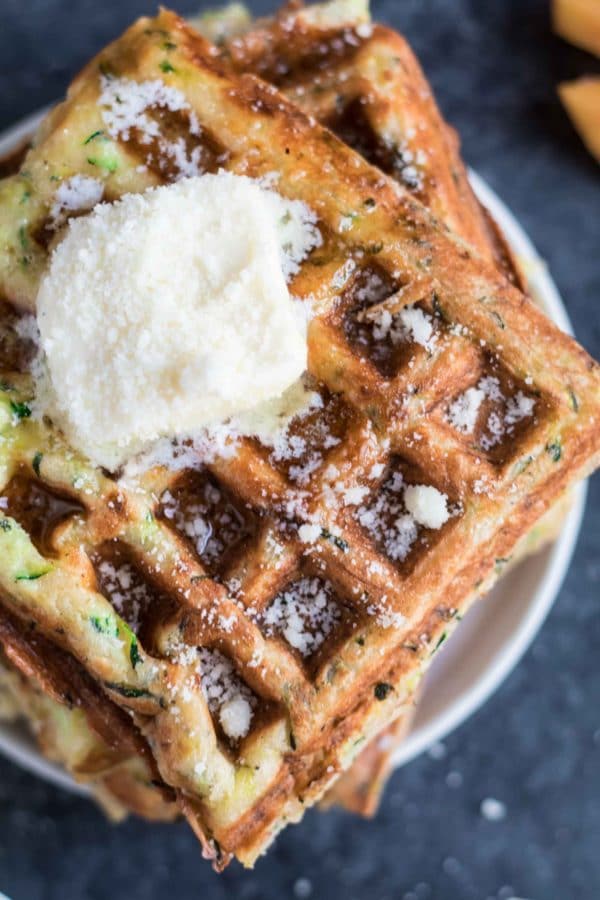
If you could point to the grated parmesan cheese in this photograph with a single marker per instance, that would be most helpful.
(354, 495)
(419, 325)
(270, 421)
(427, 505)
(464, 411)
(309, 533)
(182, 321)
(491, 387)
(394, 517)
(209, 520)
(235, 717)
(301, 454)
(386, 618)
(225, 693)
(407, 163)
(518, 407)
(387, 521)
(125, 106)
(77, 194)
(410, 324)
(305, 613)
(508, 412)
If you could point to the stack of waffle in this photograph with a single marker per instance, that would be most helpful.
(312, 586)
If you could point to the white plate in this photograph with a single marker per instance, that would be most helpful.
(496, 632)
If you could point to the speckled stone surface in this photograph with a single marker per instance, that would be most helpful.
(536, 745)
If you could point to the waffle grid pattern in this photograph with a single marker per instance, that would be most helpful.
(311, 715)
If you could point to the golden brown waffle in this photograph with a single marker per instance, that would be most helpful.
(297, 42)
(363, 81)
(64, 737)
(374, 96)
(77, 726)
(359, 789)
(316, 526)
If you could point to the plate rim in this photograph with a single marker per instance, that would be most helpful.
(20, 747)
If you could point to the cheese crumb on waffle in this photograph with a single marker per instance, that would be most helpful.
(326, 518)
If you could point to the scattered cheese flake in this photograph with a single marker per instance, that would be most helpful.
(410, 324)
(305, 613)
(309, 533)
(207, 518)
(129, 595)
(364, 30)
(27, 329)
(427, 505)
(386, 618)
(125, 106)
(377, 470)
(481, 486)
(387, 522)
(270, 421)
(518, 407)
(491, 387)
(354, 495)
(225, 693)
(235, 716)
(464, 411)
(407, 162)
(77, 194)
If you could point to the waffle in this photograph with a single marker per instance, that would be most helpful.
(359, 789)
(374, 96)
(300, 66)
(70, 732)
(371, 91)
(65, 738)
(314, 527)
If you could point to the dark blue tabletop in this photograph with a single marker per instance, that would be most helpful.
(536, 745)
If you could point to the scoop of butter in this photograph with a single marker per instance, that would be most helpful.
(168, 311)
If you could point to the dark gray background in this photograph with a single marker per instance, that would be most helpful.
(536, 744)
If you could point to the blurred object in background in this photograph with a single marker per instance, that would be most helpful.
(578, 21)
(581, 99)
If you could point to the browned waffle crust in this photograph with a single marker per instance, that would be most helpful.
(116, 741)
(300, 56)
(371, 91)
(386, 405)
(373, 94)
